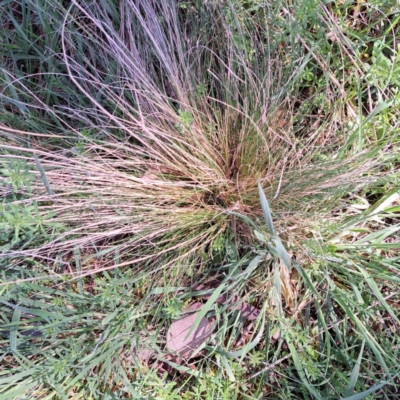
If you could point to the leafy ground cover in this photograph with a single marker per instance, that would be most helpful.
(199, 199)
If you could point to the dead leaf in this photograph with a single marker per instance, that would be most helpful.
(176, 335)
(276, 334)
(248, 311)
(287, 287)
(145, 354)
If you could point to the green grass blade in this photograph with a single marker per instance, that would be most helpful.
(300, 370)
(14, 329)
(227, 367)
(283, 254)
(251, 345)
(375, 289)
(43, 175)
(373, 389)
(354, 373)
(266, 210)
(206, 308)
(371, 342)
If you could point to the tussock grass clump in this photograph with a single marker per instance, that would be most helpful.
(137, 139)
(176, 114)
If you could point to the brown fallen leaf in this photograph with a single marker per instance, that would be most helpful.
(145, 354)
(248, 311)
(176, 336)
(185, 347)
